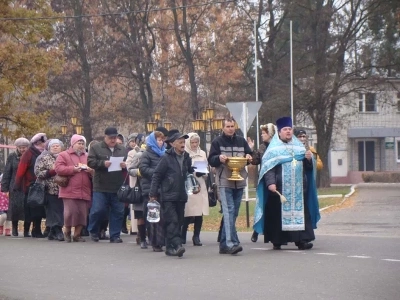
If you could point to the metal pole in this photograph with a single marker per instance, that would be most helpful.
(244, 129)
(256, 78)
(291, 73)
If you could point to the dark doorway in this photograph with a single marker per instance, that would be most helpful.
(366, 156)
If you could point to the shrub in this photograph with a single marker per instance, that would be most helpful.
(388, 177)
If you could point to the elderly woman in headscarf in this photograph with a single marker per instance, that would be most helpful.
(44, 170)
(138, 223)
(77, 195)
(24, 178)
(16, 203)
(197, 204)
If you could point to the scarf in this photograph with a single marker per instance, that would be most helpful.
(188, 149)
(152, 143)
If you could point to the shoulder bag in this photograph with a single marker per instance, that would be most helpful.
(36, 195)
(212, 191)
(124, 192)
(136, 193)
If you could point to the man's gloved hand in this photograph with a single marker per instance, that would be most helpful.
(198, 174)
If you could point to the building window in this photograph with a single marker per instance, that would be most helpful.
(398, 102)
(397, 141)
(367, 102)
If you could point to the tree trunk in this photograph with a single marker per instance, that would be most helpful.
(87, 97)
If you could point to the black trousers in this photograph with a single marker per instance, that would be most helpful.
(173, 213)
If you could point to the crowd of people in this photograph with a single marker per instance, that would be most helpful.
(82, 181)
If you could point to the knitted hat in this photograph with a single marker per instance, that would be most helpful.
(76, 138)
(55, 141)
(39, 137)
(21, 142)
(131, 137)
(298, 132)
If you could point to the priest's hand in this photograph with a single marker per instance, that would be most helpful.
(272, 188)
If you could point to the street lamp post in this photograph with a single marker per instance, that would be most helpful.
(76, 128)
(207, 126)
(152, 125)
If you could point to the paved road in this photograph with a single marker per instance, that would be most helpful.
(361, 262)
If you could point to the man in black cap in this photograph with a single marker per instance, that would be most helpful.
(106, 185)
(171, 174)
(301, 134)
(169, 135)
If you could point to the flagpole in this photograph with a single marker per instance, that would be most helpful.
(256, 78)
(291, 73)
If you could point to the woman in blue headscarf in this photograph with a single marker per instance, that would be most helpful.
(287, 204)
(148, 162)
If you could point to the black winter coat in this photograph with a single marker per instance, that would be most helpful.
(171, 177)
(104, 181)
(148, 163)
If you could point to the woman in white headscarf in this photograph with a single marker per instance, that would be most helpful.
(197, 204)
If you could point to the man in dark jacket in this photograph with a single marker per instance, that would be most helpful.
(106, 185)
(171, 174)
(231, 192)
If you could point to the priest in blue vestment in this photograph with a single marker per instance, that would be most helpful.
(287, 204)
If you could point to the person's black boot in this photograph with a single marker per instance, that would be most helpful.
(27, 226)
(51, 235)
(254, 237)
(14, 228)
(36, 230)
(220, 230)
(58, 234)
(124, 229)
(184, 228)
(84, 231)
(198, 222)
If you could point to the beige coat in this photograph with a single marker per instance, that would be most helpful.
(197, 205)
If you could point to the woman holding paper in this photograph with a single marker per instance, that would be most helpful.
(197, 204)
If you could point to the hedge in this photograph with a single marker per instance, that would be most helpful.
(388, 177)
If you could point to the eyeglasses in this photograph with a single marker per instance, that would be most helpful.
(301, 136)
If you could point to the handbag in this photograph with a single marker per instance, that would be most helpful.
(136, 193)
(212, 191)
(36, 195)
(124, 192)
(62, 181)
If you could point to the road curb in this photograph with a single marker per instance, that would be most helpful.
(377, 185)
(345, 197)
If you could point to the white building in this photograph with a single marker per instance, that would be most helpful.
(366, 137)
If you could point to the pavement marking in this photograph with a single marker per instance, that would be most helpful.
(332, 254)
(263, 249)
(390, 259)
(359, 256)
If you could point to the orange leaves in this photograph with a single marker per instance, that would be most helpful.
(24, 65)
